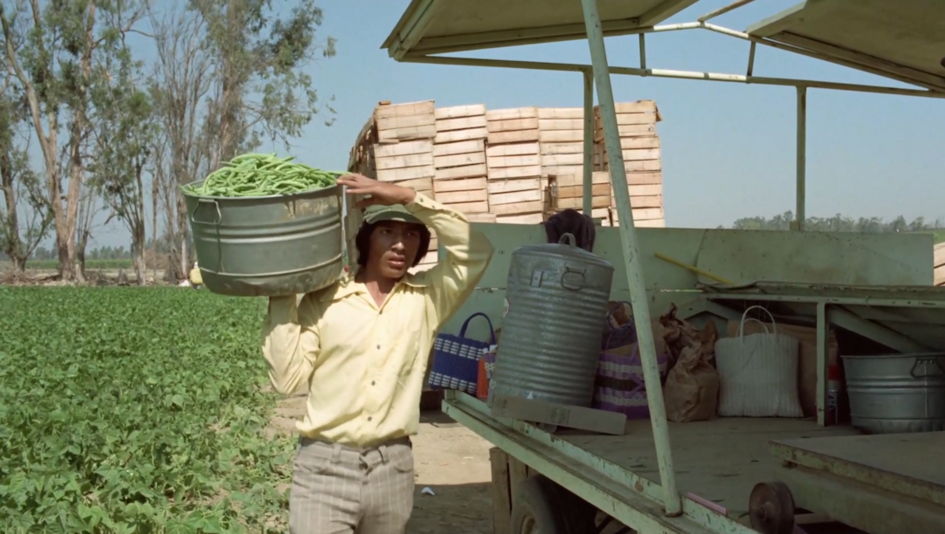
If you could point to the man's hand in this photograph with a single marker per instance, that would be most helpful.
(383, 193)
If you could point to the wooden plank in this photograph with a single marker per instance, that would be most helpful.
(407, 134)
(559, 160)
(938, 275)
(640, 106)
(522, 207)
(515, 197)
(401, 162)
(501, 491)
(651, 223)
(520, 149)
(481, 217)
(645, 190)
(461, 123)
(561, 113)
(628, 119)
(460, 147)
(503, 173)
(643, 178)
(407, 108)
(639, 154)
(651, 201)
(527, 218)
(577, 180)
(512, 185)
(513, 161)
(454, 112)
(471, 207)
(460, 184)
(560, 136)
(409, 173)
(512, 113)
(459, 160)
(577, 203)
(407, 148)
(405, 121)
(561, 124)
(460, 135)
(520, 136)
(632, 130)
(644, 165)
(644, 214)
(553, 149)
(577, 191)
(650, 141)
(462, 197)
(512, 125)
(469, 171)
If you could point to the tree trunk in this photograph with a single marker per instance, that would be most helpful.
(154, 225)
(78, 272)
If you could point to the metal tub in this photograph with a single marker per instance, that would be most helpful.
(896, 393)
(268, 246)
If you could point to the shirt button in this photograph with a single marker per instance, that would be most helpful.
(369, 418)
(378, 347)
(372, 382)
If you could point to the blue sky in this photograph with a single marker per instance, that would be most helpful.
(728, 149)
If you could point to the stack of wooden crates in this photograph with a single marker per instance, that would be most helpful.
(513, 166)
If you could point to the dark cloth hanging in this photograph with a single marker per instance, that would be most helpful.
(572, 222)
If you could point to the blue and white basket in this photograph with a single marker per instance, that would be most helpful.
(456, 358)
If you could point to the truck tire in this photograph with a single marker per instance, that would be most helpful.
(547, 508)
(536, 510)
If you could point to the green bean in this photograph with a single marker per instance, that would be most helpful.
(259, 175)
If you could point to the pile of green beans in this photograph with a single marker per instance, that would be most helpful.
(260, 175)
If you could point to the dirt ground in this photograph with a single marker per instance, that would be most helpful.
(451, 461)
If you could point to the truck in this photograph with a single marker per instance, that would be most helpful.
(729, 474)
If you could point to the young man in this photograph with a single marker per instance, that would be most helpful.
(359, 348)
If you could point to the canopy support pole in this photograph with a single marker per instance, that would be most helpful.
(588, 142)
(632, 259)
(801, 187)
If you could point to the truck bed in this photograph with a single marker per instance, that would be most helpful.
(719, 460)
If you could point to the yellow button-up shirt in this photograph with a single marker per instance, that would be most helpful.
(363, 365)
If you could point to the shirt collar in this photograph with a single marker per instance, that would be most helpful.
(347, 286)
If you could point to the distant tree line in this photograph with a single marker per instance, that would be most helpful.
(839, 223)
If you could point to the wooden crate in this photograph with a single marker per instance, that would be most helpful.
(405, 122)
(460, 123)
(634, 119)
(514, 125)
(939, 264)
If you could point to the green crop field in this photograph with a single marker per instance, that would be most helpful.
(136, 410)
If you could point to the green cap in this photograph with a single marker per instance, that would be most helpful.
(396, 212)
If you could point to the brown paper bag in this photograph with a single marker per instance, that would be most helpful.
(807, 356)
(691, 391)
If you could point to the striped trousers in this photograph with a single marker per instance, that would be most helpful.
(340, 490)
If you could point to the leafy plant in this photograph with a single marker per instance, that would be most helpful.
(136, 410)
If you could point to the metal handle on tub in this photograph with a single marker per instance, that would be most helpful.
(573, 279)
(927, 372)
(203, 201)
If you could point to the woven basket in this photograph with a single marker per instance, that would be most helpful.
(456, 358)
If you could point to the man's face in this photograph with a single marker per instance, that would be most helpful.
(394, 247)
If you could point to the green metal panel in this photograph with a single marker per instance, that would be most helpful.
(808, 257)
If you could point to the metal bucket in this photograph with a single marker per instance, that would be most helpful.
(896, 393)
(556, 297)
(268, 246)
